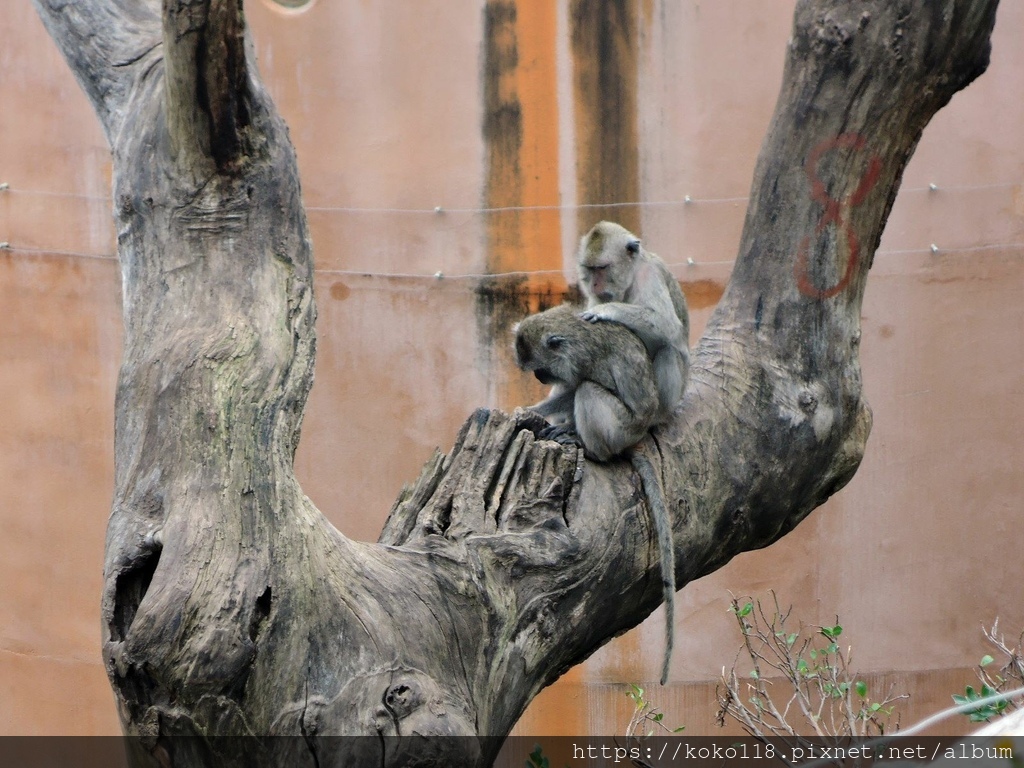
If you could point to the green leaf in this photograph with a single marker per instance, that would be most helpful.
(875, 707)
(537, 759)
(791, 639)
(985, 660)
(833, 648)
(657, 717)
(746, 610)
(862, 689)
(832, 632)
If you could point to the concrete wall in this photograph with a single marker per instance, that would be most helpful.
(397, 108)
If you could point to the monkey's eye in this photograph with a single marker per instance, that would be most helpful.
(633, 246)
(554, 342)
(598, 268)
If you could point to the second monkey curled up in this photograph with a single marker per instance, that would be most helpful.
(617, 368)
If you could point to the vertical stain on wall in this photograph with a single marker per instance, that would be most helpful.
(503, 117)
(605, 51)
(520, 130)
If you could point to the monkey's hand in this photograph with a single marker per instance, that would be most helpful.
(562, 434)
(655, 329)
(641, 320)
(598, 313)
(555, 419)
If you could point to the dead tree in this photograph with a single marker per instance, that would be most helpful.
(231, 606)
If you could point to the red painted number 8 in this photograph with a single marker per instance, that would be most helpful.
(835, 213)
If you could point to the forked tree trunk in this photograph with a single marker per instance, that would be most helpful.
(231, 606)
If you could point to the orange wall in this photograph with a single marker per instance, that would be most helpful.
(392, 106)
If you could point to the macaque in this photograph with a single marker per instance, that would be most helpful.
(625, 284)
(605, 393)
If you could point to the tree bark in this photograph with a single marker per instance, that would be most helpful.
(232, 607)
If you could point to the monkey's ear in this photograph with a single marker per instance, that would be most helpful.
(554, 342)
(633, 246)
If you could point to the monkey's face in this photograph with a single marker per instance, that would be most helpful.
(606, 262)
(537, 352)
(542, 346)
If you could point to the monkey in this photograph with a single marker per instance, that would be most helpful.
(607, 396)
(624, 283)
(605, 377)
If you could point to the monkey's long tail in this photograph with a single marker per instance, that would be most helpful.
(666, 548)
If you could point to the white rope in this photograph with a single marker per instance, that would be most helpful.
(515, 273)
(5, 188)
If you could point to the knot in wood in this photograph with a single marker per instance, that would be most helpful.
(402, 698)
(808, 402)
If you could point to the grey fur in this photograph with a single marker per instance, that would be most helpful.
(604, 389)
(624, 283)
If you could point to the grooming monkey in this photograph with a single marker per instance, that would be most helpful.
(604, 390)
(626, 284)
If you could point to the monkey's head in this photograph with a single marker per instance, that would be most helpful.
(607, 261)
(545, 345)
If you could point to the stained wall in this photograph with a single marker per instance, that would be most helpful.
(451, 154)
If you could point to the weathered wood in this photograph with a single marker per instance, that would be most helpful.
(232, 607)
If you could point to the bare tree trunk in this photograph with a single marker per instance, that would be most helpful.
(232, 607)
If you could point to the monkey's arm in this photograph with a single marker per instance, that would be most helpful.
(633, 383)
(606, 424)
(671, 371)
(557, 407)
(678, 299)
(656, 329)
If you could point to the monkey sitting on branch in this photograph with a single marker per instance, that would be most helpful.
(605, 394)
(624, 283)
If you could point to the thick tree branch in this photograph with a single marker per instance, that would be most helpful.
(106, 43)
(207, 81)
